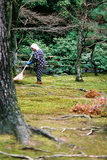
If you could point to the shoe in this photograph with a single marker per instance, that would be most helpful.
(39, 82)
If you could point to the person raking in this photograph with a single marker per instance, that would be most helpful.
(39, 60)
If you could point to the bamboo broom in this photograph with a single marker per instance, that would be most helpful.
(21, 76)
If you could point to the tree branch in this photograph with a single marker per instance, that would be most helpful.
(28, 3)
(47, 29)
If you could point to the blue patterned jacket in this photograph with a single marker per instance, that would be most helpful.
(38, 57)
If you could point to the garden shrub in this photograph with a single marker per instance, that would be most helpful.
(100, 56)
(62, 54)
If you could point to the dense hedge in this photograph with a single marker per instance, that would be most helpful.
(62, 54)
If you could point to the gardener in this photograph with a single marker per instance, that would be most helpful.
(38, 58)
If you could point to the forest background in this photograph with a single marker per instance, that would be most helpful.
(72, 34)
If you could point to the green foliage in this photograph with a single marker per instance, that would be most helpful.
(63, 49)
(32, 4)
(63, 3)
(65, 53)
(100, 56)
(99, 13)
(24, 48)
(24, 52)
(65, 9)
(78, 2)
(61, 56)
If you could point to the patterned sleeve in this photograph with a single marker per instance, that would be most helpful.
(36, 55)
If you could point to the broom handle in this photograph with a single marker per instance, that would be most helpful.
(26, 65)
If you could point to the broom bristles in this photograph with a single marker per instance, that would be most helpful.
(18, 77)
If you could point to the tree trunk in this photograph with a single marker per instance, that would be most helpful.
(81, 39)
(92, 60)
(78, 70)
(12, 11)
(11, 120)
(79, 53)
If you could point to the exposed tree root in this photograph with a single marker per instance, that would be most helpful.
(61, 128)
(85, 90)
(91, 129)
(81, 89)
(54, 156)
(70, 116)
(91, 132)
(17, 156)
(43, 132)
(47, 134)
(74, 155)
(95, 129)
(37, 149)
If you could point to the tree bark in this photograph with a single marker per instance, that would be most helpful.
(11, 119)
(12, 12)
(92, 60)
(79, 53)
(81, 41)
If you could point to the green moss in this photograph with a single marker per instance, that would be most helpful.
(55, 98)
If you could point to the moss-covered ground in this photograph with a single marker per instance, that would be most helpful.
(55, 98)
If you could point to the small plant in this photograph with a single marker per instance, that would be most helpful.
(98, 107)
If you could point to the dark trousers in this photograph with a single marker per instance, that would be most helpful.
(39, 71)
